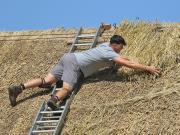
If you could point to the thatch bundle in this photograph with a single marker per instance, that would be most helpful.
(152, 43)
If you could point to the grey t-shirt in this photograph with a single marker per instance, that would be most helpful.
(90, 61)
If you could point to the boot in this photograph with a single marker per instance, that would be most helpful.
(52, 102)
(14, 91)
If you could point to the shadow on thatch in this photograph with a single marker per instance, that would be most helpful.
(39, 93)
(114, 76)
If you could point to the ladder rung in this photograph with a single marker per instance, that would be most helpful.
(58, 89)
(54, 117)
(47, 121)
(43, 131)
(46, 112)
(84, 44)
(46, 127)
(62, 107)
(86, 36)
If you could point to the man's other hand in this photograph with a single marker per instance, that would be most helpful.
(153, 70)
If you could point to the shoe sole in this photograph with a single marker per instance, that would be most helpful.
(12, 98)
(52, 105)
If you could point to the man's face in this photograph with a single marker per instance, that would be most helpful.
(117, 47)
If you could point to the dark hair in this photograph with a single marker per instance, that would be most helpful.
(116, 39)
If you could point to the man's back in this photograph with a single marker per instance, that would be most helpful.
(90, 61)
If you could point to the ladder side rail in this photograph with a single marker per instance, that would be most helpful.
(73, 47)
(69, 100)
(63, 115)
(96, 37)
(37, 118)
(54, 89)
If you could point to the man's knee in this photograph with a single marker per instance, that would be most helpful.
(67, 87)
(50, 78)
(47, 81)
(44, 83)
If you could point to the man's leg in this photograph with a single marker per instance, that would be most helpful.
(70, 75)
(40, 82)
(14, 91)
(60, 95)
(64, 91)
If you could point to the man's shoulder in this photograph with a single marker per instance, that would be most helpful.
(105, 44)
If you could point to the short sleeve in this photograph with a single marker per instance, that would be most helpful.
(111, 55)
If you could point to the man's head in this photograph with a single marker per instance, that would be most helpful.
(117, 42)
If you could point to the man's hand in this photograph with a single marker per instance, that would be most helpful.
(153, 70)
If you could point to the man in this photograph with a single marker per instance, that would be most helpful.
(73, 66)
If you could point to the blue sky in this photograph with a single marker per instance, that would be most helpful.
(47, 14)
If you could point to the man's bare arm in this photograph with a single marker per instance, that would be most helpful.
(134, 65)
(125, 58)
